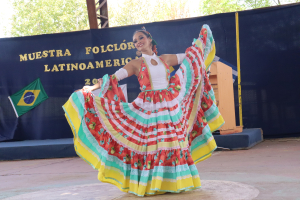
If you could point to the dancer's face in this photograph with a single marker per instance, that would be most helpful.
(142, 42)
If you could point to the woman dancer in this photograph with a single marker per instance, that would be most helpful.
(150, 146)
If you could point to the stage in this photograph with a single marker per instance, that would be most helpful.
(236, 173)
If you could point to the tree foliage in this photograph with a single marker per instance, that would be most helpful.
(33, 17)
(142, 11)
(209, 7)
(258, 3)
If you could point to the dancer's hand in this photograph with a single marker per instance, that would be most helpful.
(94, 87)
(89, 88)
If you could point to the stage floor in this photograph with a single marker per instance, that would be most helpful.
(269, 170)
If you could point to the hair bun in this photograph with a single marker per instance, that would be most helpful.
(154, 49)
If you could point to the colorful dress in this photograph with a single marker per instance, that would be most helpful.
(150, 146)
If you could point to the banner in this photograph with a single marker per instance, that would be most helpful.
(28, 97)
(65, 62)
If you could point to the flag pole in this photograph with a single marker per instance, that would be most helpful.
(13, 106)
(238, 67)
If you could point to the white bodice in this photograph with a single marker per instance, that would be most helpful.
(157, 72)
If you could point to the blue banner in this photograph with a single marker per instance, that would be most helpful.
(65, 62)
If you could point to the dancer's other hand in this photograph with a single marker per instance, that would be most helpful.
(88, 87)
(92, 88)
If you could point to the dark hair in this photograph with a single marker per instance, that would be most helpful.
(148, 35)
(143, 31)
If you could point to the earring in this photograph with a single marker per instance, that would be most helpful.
(138, 53)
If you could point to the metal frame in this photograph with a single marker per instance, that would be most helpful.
(101, 7)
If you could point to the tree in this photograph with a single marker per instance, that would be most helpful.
(172, 9)
(258, 3)
(129, 13)
(209, 7)
(141, 11)
(33, 17)
(252, 4)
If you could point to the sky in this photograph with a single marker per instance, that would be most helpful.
(6, 11)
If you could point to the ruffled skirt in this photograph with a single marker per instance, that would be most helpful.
(150, 146)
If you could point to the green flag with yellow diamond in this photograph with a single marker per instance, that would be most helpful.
(28, 97)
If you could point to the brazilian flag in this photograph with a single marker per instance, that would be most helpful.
(28, 97)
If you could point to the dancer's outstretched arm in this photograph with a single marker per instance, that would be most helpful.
(173, 59)
(128, 70)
